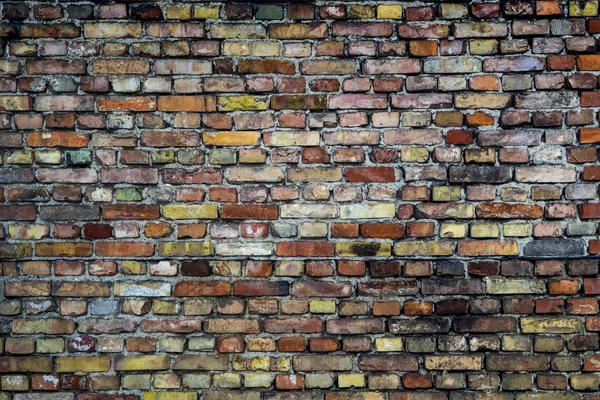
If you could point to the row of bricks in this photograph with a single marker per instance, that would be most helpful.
(414, 248)
(469, 100)
(457, 306)
(300, 120)
(297, 344)
(378, 211)
(408, 381)
(338, 47)
(542, 8)
(312, 395)
(215, 157)
(295, 140)
(312, 288)
(314, 268)
(461, 29)
(306, 230)
(330, 362)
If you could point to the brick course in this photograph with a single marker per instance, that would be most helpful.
(383, 200)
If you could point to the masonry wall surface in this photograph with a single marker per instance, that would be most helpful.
(333, 200)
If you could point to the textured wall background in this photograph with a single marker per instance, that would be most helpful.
(299, 201)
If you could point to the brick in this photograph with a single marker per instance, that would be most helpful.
(239, 138)
(56, 67)
(82, 364)
(187, 103)
(64, 103)
(26, 364)
(47, 326)
(322, 363)
(175, 30)
(120, 67)
(130, 211)
(57, 139)
(119, 103)
(550, 325)
(516, 363)
(364, 29)
(142, 363)
(298, 31)
(460, 363)
(423, 31)
(104, 30)
(399, 66)
(49, 31)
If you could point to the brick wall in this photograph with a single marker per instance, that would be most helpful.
(383, 200)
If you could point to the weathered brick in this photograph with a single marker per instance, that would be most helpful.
(104, 30)
(364, 29)
(451, 363)
(298, 31)
(187, 103)
(120, 67)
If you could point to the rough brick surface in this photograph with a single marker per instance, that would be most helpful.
(330, 200)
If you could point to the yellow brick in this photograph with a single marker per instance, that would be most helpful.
(195, 211)
(482, 100)
(578, 8)
(166, 381)
(261, 363)
(322, 306)
(454, 363)
(177, 249)
(257, 379)
(388, 344)
(261, 344)
(516, 230)
(253, 156)
(133, 267)
(361, 11)
(170, 396)
(14, 382)
(550, 325)
(351, 380)
(82, 364)
(450, 230)
(48, 156)
(179, 12)
(240, 138)
(206, 12)
(446, 193)
(483, 47)
(143, 363)
(424, 248)
(164, 307)
(414, 154)
(514, 286)
(31, 232)
(363, 249)
(389, 11)
(20, 157)
(484, 230)
(50, 345)
(227, 380)
(243, 103)
(236, 49)
(266, 49)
